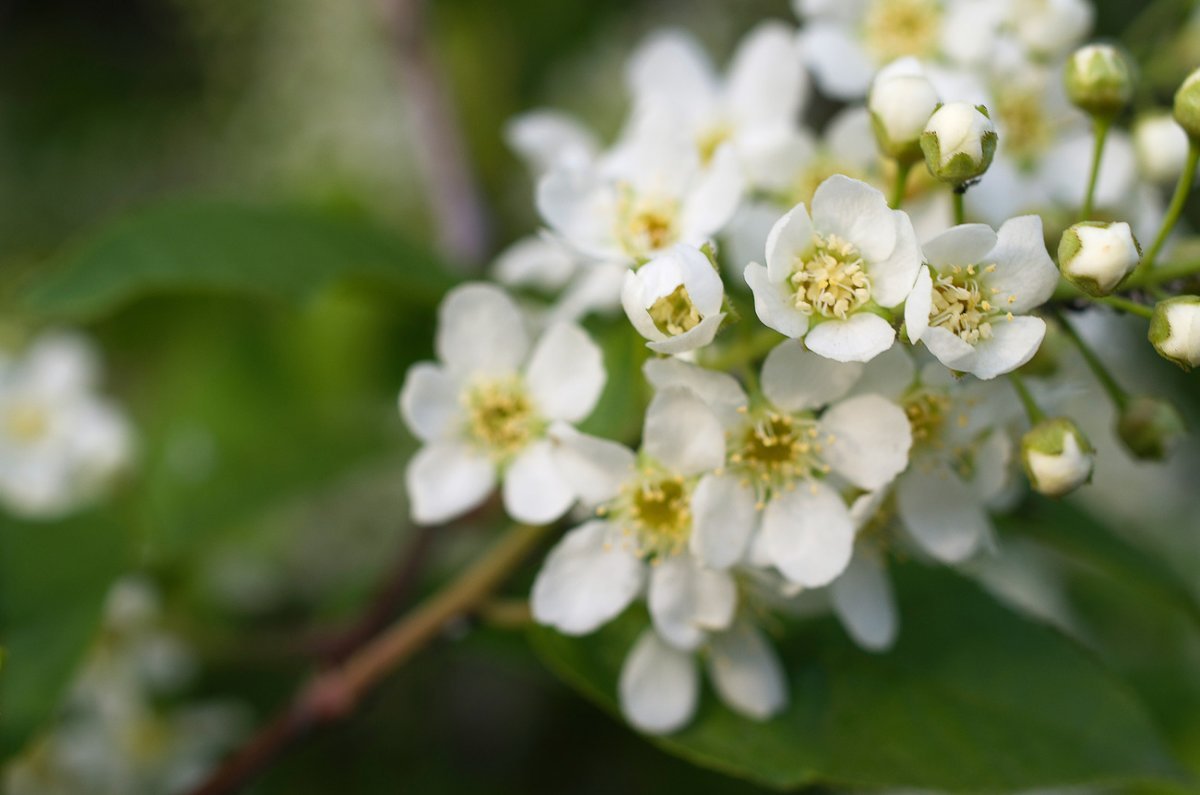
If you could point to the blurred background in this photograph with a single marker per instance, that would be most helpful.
(268, 507)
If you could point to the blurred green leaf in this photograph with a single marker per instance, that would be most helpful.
(53, 580)
(289, 254)
(973, 698)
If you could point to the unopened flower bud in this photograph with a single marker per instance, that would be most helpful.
(1096, 257)
(900, 107)
(1187, 105)
(1099, 80)
(959, 141)
(1057, 456)
(1161, 146)
(1150, 428)
(1175, 330)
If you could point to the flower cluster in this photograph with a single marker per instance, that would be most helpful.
(824, 332)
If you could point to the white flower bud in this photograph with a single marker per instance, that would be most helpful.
(1175, 330)
(1150, 428)
(1187, 105)
(959, 141)
(900, 107)
(675, 300)
(1099, 80)
(1161, 146)
(1096, 256)
(1057, 456)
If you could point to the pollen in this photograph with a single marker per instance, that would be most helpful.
(655, 513)
(831, 280)
(773, 451)
(895, 28)
(960, 303)
(501, 418)
(675, 314)
(646, 224)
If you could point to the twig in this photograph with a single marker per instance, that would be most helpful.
(335, 693)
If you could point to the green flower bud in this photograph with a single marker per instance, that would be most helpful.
(1150, 428)
(1099, 80)
(959, 141)
(1187, 105)
(1175, 330)
(1057, 456)
(1096, 256)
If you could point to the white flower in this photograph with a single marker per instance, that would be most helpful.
(647, 194)
(544, 263)
(967, 305)
(1050, 27)
(901, 103)
(547, 139)
(1096, 257)
(60, 444)
(674, 300)
(1175, 330)
(1057, 457)
(959, 141)
(484, 410)
(751, 109)
(862, 596)
(659, 685)
(826, 276)
(1161, 146)
(648, 515)
(786, 461)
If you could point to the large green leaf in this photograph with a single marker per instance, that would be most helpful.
(283, 253)
(973, 698)
(53, 579)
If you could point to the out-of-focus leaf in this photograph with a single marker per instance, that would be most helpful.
(53, 579)
(973, 698)
(274, 252)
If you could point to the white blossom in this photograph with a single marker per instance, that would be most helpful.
(675, 300)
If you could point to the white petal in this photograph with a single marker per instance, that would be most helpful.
(480, 331)
(587, 580)
(547, 138)
(720, 391)
(746, 672)
(863, 601)
(941, 513)
(693, 339)
(429, 401)
(445, 480)
(840, 66)
(702, 280)
(595, 468)
(965, 244)
(890, 374)
(871, 440)
(659, 686)
(711, 202)
(794, 379)
(809, 534)
(918, 306)
(767, 85)
(858, 338)
(565, 374)
(1024, 270)
(1012, 344)
(724, 516)
(542, 263)
(577, 205)
(686, 599)
(682, 433)
(854, 211)
(535, 490)
(671, 67)
(772, 303)
(633, 301)
(950, 349)
(791, 238)
(892, 278)
(992, 459)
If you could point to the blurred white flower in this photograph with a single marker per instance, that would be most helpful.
(1161, 146)
(483, 411)
(675, 300)
(901, 101)
(548, 139)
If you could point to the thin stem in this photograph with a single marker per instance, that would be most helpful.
(903, 169)
(960, 213)
(335, 693)
(1119, 396)
(1182, 189)
(1125, 305)
(1100, 130)
(1031, 407)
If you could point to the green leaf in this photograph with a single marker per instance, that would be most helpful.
(973, 698)
(288, 254)
(53, 580)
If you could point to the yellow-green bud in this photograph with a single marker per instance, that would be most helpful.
(1175, 330)
(1150, 428)
(1099, 80)
(1096, 256)
(1057, 456)
(1187, 105)
(959, 141)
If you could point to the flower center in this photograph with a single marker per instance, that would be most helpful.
(646, 224)
(927, 411)
(1027, 131)
(894, 28)
(656, 513)
(501, 417)
(830, 280)
(775, 450)
(710, 139)
(675, 313)
(962, 304)
(26, 422)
